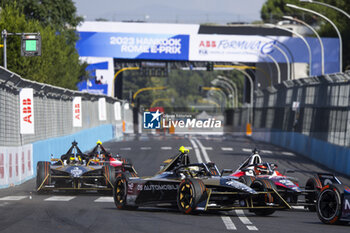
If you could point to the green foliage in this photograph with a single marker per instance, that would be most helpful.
(273, 10)
(183, 87)
(59, 63)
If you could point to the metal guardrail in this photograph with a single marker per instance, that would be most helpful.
(316, 106)
(52, 108)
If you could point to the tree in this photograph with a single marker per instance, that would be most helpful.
(273, 10)
(59, 63)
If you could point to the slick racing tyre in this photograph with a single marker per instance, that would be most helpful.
(329, 204)
(313, 187)
(247, 180)
(43, 175)
(120, 192)
(189, 194)
(267, 199)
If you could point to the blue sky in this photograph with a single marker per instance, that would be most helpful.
(177, 11)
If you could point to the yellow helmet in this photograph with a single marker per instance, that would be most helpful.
(99, 142)
(184, 150)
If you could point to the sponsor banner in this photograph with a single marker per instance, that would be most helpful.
(16, 164)
(117, 111)
(133, 45)
(26, 111)
(77, 112)
(102, 113)
(229, 48)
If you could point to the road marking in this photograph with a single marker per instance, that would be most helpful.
(208, 148)
(245, 220)
(227, 148)
(166, 148)
(228, 223)
(204, 152)
(288, 153)
(242, 217)
(145, 148)
(196, 150)
(189, 147)
(60, 198)
(2, 204)
(13, 198)
(266, 151)
(246, 150)
(298, 207)
(104, 199)
(252, 228)
(125, 148)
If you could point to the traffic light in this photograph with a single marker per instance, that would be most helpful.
(31, 45)
(210, 66)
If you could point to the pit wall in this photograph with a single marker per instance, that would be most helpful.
(18, 164)
(332, 156)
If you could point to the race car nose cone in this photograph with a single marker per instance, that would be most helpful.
(76, 172)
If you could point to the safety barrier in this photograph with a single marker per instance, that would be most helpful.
(332, 156)
(310, 116)
(37, 120)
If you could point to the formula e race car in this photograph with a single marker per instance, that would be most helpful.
(193, 187)
(253, 167)
(100, 155)
(78, 171)
(333, 204)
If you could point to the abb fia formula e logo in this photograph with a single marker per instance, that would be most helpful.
(152, 120)
(26, 111)
(207, 44)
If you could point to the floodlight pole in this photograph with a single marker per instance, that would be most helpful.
(4, 36)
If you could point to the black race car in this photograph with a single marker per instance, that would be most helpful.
(333, 204)
(77, 171)
(196, 187)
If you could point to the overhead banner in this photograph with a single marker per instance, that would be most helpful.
(102, 116)
(26, 111)
(133, 45)
(117, 111)
(229, 48)
(77, 113)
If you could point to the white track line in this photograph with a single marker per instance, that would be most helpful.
(204, 152)
(60, 198)
(125, 148)
(246, 150)
(196, 151)
(227, 148)
(242, 217)
(166, 148)
(13, 198)
(145, 148)
(228, 223)
(288, 153)
(252, 228)
(266, 151)
(104, 199)
(208, 148)
(245, 220)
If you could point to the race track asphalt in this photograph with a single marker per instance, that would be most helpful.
(22, 210)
